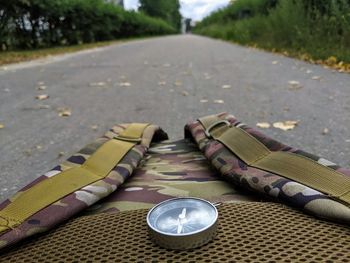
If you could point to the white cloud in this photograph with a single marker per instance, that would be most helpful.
(195, 9)
(198, 9)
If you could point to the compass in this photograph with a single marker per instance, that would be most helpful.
(182, 223)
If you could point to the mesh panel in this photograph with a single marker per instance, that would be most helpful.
(248, 232)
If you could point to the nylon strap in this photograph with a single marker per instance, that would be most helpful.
(55, 188)
(289, 165)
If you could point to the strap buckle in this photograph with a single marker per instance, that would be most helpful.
(207, 131)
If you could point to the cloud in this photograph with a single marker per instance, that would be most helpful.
(198, 9)
(195, 9)
(131, 4)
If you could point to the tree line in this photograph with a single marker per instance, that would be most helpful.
(26, 24)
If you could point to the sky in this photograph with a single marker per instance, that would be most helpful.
(195, 9)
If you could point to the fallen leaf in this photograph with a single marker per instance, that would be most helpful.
(97, 84)
(203, 101)
(178, 83)
(316, 77)
(61, 154)
(64, 112)
(274, 62)
(286, 125)
(226, 86)
(184, 93)
(162, 83)
(263, 125)
(2, 126)
(293, 84)
(124, 84)
(38, 147)
(94, 127)
(41, 88)
(42, 97)
(325, 131)
(219, 101)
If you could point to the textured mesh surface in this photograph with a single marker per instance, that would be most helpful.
(248, 232)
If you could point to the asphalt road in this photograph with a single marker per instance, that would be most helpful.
(164, 81)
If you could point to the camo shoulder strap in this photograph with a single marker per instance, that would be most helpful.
(261, 164)
(88, 176)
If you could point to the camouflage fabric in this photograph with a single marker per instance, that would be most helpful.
(265, 183)
(73, 203)
(169, 170)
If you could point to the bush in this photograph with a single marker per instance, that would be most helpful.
(320, 28)
(38, 23)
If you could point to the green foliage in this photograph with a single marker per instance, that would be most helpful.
(168, 10)
(44, 23)
(320, 28)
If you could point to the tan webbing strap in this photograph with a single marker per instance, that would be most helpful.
(289, 165)
(55, 188)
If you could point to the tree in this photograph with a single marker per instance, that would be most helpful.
(168, 10)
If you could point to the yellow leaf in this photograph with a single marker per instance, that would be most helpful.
(42, 97)
(263, 125)
(124, 84)
(226, 86)
(219, 101)
(2, 126)
(64, 112)
(203, 101)
(286, 125)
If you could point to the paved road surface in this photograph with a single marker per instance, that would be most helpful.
(194, 66)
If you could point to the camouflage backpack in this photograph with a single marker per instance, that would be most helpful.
(278, 203)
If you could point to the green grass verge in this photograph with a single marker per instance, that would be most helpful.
(321, 37)
(9, 57)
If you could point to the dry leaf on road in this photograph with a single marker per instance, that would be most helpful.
(97, 84)
(325, 131)
(275, 62)
(64, 112)
(41, 88)
(178, 83)
(263, 125)
(285, 125)
(94, 127)
(42, 97)
(316, 77)
(203, 101)
(2, 126)
(184, 93)
(219, 101)
(293, 84)
(124, 84)
(226, 86)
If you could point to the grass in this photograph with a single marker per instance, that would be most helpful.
(289, 28)
(9, 57)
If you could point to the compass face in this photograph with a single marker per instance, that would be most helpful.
(182, 216)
